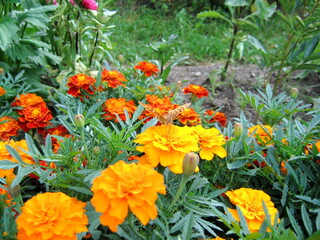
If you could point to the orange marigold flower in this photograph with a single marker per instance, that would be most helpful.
(51, 216)
(113, 78)
(262, 133)
(80, 82)
(115, 107)
(5, 155)
(211, 141)
(148, 68)
(189, 117)
(250, 203)
(125, 186)
(308, 148)
(167, 145)
(217, 117)
(196, 90)
(8, 127)
(28, 100)
(217, 238)
(2, 91)
(59, 130)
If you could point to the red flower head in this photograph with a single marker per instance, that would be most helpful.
(113, 78)
(217, 117)
(196, 90)
(60, 130)
(115, 107)
(80, 82)
(148, 68)
(8, 127)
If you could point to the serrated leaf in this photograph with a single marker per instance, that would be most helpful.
(306, 219)
(8, 32)
(6, 164)
(212, 14)
(237, 3)
(81, 190)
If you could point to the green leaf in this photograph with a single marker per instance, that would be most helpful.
(8, 32)
(188, 225)
(213, 14)
(81, 190)
(295, 224)
(237, 3)
(6, 164)
(306, 219)
(315, 236)
(311, 46)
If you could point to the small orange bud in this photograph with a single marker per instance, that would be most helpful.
(79, 121)
(190, 163)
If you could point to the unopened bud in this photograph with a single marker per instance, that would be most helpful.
(190, 163)
(120, 58)
(238, 130)
(79, 120)
(294, 92)
(96, 149)
(1, 71)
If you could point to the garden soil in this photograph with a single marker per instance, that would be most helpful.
(224, 95)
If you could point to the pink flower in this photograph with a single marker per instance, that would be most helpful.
(73, 3)
(90, 4)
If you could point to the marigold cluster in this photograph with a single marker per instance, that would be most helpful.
(216, 117)
(2, 91)
(80, 84)
(5, 155)
(250, 203)
(8, 127)
(114, 107)
(113, 78)
(261, 132)
(196, 90)
(125, 186)
(33, 111)
(51, 216)
(166, 145)
(149, 69)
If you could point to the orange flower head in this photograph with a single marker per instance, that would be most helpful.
(309, 147)
(148, 68)
(250, 203)
(59, 130)
(217, 117)
(189, 117)
(51, 216)
(196, 90)
(8, 127)
(166, 145)
(5, 155)
(2, 91)
(113, 78)
(80, 82)
(124, 186)
(28, 100)
(262, 133)
(115, 107)
(211, 141)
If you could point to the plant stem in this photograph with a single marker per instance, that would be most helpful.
(130, 219)
(235, 31)
(180, 189)
(94, 47)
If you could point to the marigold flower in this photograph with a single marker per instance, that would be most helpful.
(125, 186)
(59, 130)
(196, 90)
(28, 100)
(148, 68)
(211, 141)
(250, 203)
(166, 145)
(262, 133)
(113, 78)
(189, 117)
(309, 147)
(115, 107)
(5, 197)
(80, 82)
(217, 117)
(8, 127)
(5, 155)
(2, 91)
(90, 4)
(51, 216)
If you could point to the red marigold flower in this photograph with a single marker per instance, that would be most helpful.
(113, 78)
(8, 127)
(80, 82)
(189, 117)
(148, 68)
(2, 91)
(90, 4)
(27, 100)
(115, 107)
(196, 90)
(217, 117)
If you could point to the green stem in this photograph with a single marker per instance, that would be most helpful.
(225, 69)
(183, 182)
(85, 146)
(130, 219)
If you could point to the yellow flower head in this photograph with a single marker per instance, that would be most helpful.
(51, 216)
(125, 186)
(167, 145)
(211, 141)
(250, 203)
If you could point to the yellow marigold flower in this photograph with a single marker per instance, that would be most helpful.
(125, 186)
(262, 133)
(8, 127)
(5, 155)
(167, 145)
(211, 141)
(2, 91)
(250, 203)
(51, 216)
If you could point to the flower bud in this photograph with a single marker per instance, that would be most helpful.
(294, 92)
(120, 58)
(238, 130)
(1, 71)
(96, 150)
(79, 121)
(190, 163)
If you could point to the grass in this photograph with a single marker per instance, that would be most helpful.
(135, 30)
